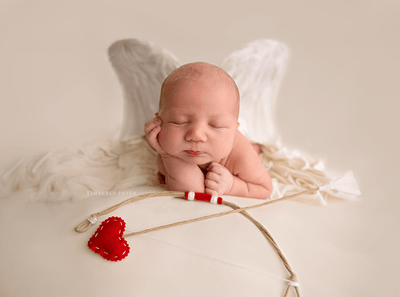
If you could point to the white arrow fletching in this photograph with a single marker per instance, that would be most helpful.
(345, 184)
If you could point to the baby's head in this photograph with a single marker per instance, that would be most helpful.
(200, 72)
(199, 108)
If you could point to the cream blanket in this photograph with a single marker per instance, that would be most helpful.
(114, 165)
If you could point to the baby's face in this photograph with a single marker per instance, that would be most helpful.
(199, 121)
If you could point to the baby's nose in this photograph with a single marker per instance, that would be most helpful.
(196, 133)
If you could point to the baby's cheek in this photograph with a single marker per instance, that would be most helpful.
(168, 139)
(223, 150)
(223, 145)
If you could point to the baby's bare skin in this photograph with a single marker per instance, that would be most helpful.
(195, 134)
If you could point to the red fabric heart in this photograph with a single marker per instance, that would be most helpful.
(108, 242)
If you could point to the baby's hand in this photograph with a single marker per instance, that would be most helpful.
(219, 180)
(152, 128)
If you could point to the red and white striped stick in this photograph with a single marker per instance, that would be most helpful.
(203, 197)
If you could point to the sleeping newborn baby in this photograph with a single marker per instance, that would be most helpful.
(195, 133)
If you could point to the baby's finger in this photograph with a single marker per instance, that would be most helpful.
(150, 125)
(211, 165)
(211, 192)
(152, 138)
(152, 133)
(215, 167)
(210, 184)
(213, 176)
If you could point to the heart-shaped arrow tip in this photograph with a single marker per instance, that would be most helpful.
(108, 242)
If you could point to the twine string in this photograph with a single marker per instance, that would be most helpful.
(215, 258)
(292, 281)
(220, 214)
(86, 224)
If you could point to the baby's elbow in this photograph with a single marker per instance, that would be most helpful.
(266, 191)
(259, 191)
(264, 194)
(268, 186)
(269, 189)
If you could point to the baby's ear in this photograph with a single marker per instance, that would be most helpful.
(238, 124)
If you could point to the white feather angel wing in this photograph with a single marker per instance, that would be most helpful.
(257, 69)
(141, 67)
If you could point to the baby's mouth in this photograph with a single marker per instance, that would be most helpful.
(193, 153)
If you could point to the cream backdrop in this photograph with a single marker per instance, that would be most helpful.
(338, 100)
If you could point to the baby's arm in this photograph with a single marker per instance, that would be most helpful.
(242, 175)
(256, 184)
(179, 174)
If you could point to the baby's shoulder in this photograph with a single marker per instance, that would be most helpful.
(242, 151)
(240, 144)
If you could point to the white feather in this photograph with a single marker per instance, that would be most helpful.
(141, 67)
(257, 69)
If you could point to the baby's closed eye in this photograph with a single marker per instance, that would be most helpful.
(178, 123)
(217, 125)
